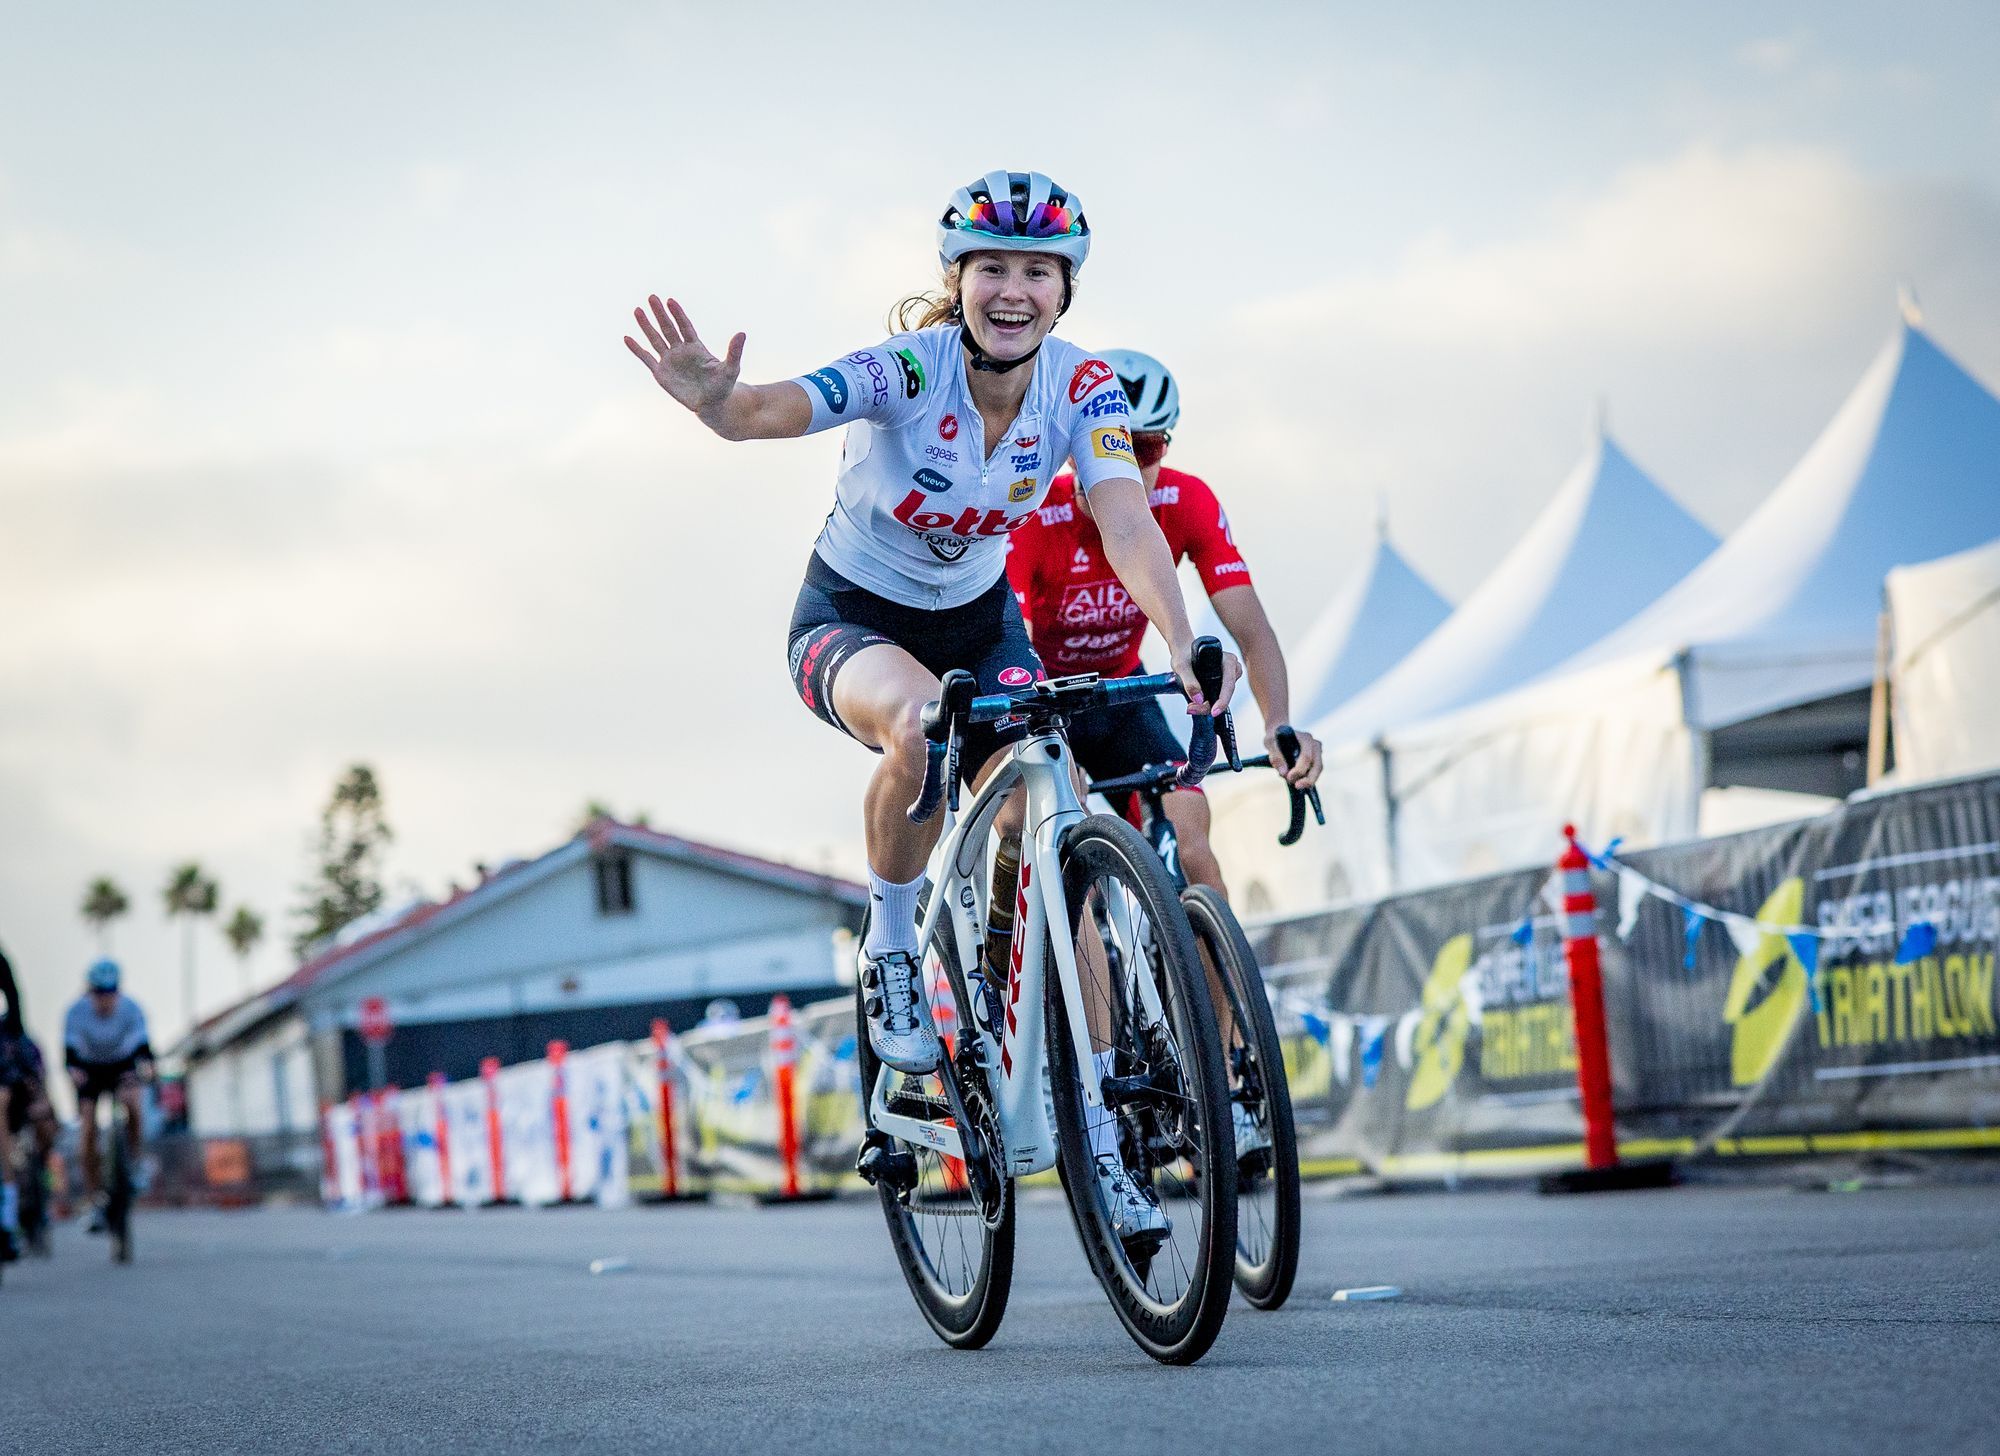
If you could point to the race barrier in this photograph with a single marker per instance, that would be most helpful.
(769, 1107)
(1825, 986)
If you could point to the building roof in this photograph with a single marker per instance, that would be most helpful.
(346, 957)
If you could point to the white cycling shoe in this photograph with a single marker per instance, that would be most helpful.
(1252, 1137)
(1136, 1215)
(898, 1029)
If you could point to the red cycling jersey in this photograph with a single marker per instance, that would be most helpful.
(1080, 617)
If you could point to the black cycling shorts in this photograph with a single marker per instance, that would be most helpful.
(834, 619)
(103, 1079)
(1113, 742)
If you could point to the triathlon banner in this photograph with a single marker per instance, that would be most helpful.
(1826, 985)
(1823, 986)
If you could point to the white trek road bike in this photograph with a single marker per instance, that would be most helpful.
(1103, 1037)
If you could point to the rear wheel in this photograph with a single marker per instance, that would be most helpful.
(33, 1182)
(1267, 1180)
(951, 1223)
(1166, 1104)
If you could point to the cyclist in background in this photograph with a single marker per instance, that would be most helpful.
(23, 1098)
(1082, 619)
(106, 1049)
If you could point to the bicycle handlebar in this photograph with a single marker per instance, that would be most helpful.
(1158, 778)
(947, 716)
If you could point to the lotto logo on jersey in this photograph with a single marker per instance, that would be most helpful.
(948, 428)
(1090, 374)
(1110, 442)
(946, 536)
(832, 388)
(1097, 604)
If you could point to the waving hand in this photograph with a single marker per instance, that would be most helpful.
(680, 363)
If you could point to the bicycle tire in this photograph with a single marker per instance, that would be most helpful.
(965, 1312)
(1180, 1329)
(33, 1183)
(118, 1192)
(1267, 1198)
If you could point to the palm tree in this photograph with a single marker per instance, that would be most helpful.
(244, 930)
(188, 893)
(103, 902)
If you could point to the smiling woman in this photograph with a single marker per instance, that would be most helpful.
(955, 429)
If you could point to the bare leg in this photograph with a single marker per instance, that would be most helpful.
(86, 1116)
(1189, 813)
(880, 695)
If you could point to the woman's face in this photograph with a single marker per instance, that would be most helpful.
(1010, 300)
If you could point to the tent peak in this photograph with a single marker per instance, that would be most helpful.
(1907, 306)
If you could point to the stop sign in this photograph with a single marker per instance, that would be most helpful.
(375, 1023)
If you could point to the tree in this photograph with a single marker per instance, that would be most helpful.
(103, 902)
(596, 809)
(347, 860)
(189, 894)
(244, 930)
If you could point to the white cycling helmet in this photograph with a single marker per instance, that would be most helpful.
(1020, 211)
(1156, 399)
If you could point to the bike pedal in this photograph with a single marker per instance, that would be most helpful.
(881, 1163)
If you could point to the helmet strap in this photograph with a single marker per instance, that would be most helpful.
(985, 363)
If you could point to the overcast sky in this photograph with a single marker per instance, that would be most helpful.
(317, 440)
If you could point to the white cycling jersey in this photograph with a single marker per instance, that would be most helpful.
(920, 515)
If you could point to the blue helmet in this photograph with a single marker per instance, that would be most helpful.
(102, 975)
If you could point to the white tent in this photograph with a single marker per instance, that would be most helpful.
(1369, 624)
(1380, 611)
(1946, 668)
(1607, 543)
(1754, 671)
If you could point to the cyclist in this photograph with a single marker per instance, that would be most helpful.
(1082, 619)
(23, 1098)
(107, 1051)
(956, 425)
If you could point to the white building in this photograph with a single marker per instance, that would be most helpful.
(589, 943)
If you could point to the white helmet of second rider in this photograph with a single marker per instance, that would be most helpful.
(1156, 399)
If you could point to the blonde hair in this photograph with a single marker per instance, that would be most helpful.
(926, 310)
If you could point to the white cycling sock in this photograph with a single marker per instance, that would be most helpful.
(892, 916)
(1101, 1123)
(10, 1207)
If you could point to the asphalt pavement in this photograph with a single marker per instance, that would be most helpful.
(1715, 1319)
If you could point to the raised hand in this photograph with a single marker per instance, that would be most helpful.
(680, 363)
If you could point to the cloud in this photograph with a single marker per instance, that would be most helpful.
(1773, 55)
(1724, 300)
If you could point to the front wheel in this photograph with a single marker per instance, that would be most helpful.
(118, 1192)
(952, 1227)
(1153, 1038)
(1267, 1177)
